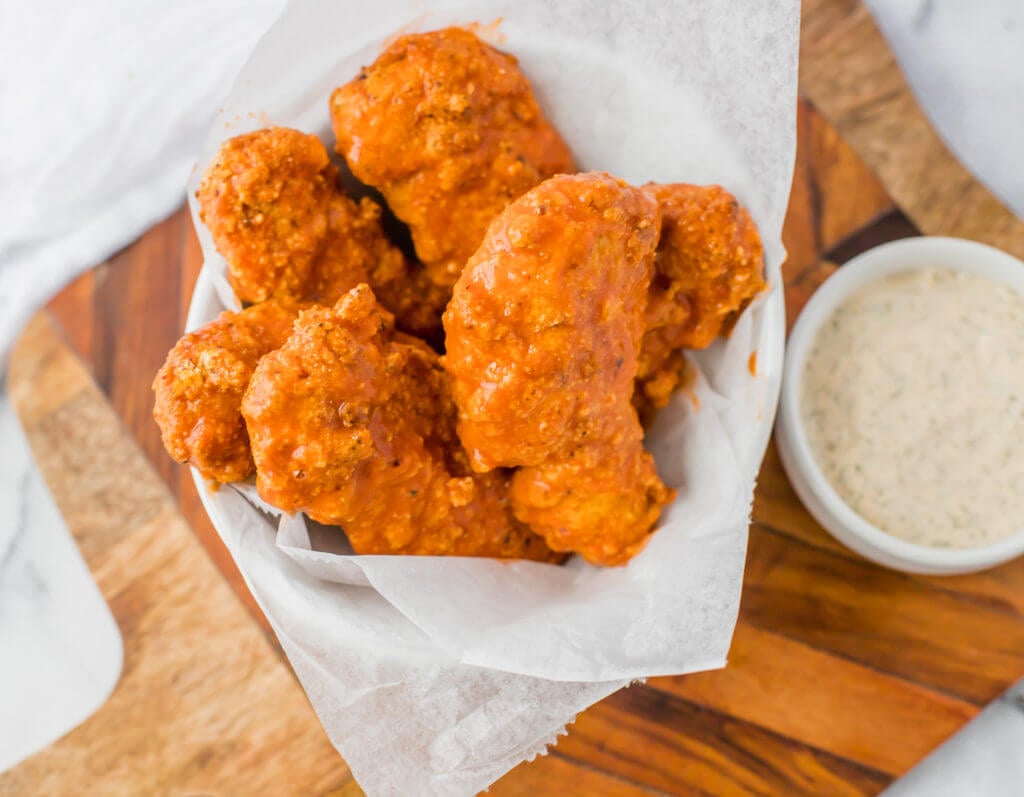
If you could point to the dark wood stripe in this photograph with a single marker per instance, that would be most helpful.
(664, 742)
(880, 618)
(766, 677)
(556, 774)
(891, 226)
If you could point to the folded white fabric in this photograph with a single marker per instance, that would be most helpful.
(104, 107)
(964, 62)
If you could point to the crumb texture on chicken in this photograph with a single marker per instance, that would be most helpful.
(447, 128)
(709, 267)
(198, 391)
(543, 333)
(601, 501)
(353, 423)
(273, 205)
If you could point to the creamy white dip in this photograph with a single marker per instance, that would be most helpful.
(913, 401)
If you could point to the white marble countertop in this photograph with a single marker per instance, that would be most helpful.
(59, 649)
(965, 62)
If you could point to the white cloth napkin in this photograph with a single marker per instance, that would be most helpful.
(103, 108)
(964, 62)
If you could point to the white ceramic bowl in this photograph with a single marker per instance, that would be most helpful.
(816, 493)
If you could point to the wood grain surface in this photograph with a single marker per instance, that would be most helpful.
(842, 675)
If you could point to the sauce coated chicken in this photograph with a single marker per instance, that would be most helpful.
(199, 389)
(601, 501)
(542, 334)
(273, 205)
(353, 424)
(709, 267)
(448, 129)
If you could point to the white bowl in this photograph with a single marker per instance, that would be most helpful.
(814, 490)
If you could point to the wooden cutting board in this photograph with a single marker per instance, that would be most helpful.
(842, 675)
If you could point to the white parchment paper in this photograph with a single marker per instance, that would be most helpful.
(436, 675)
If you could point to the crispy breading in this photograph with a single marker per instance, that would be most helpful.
(353, 424)
(709, 267)
(199, 389)
(542, 335)
(273, 205)
(601, 501)
(447, 128)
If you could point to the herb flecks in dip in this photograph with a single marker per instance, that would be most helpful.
(913, 402)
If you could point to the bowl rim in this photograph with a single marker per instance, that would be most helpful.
(810, 483)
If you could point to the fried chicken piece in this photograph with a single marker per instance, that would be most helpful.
(543, 328)
(542, 337)
(199, 389)
(273, 205)
(353, 424)
(448, 129)
(663, 370)
(602, 501)
(266, 200)
(709, 267)
(415, 301)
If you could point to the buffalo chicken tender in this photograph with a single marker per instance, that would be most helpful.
(273, 205)
(199, 389)
(448, 129)
(543, 327)
(709, 267)
(353, 424)
(542, 337)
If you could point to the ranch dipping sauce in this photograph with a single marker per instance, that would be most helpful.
(912, 398)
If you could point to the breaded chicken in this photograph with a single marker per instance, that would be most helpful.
(448, 130)
(199, 389)
(543, 327)
(663, 370)
(709, 267)
(542, 337)
(353, 424)
(273, 205)
(602, 501)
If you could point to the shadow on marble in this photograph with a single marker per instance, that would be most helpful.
(60, 648)
(985, 758)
